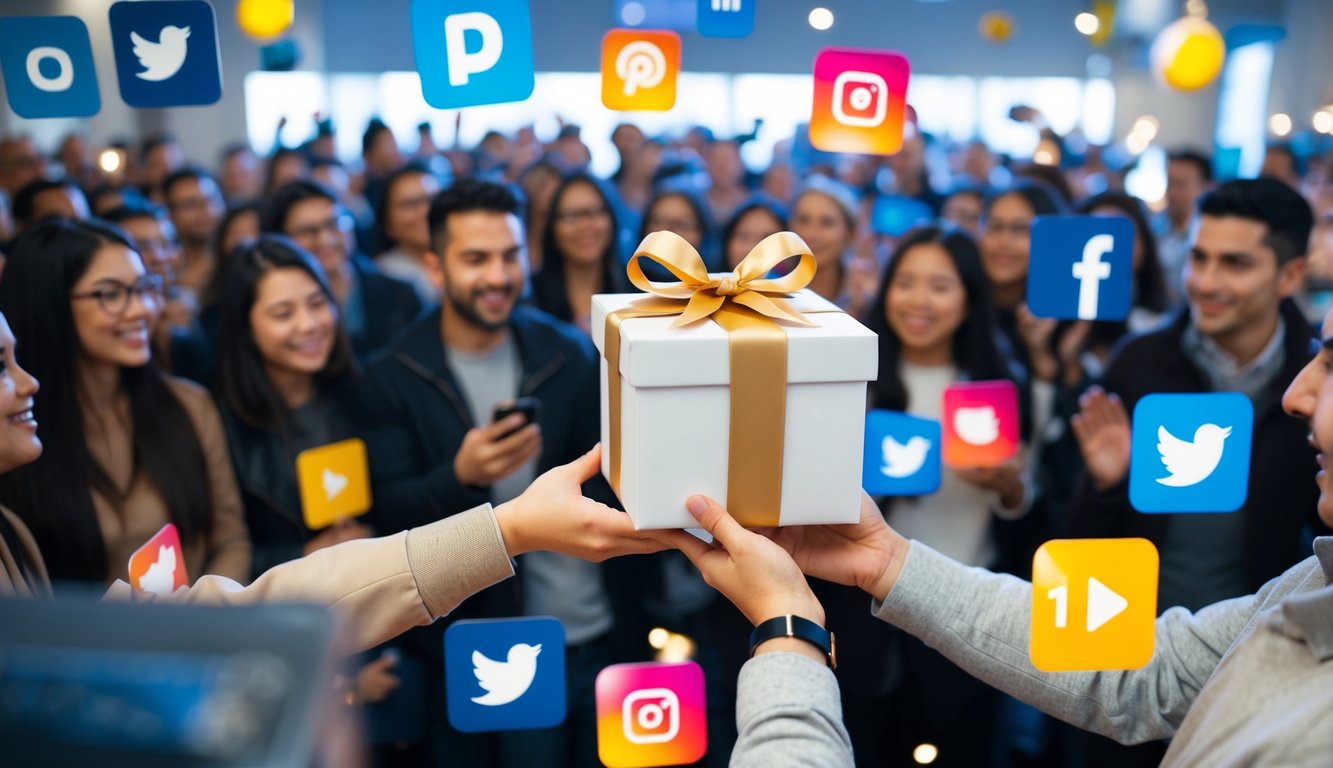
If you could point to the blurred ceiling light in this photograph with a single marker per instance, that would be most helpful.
(821, 19)
(1137, 143)
(657, 638)
(633, 14)
(1047, 153)
(109, 160)
(675, 647)
(1280, 124)
(1146, 126)
(1087, 23)
(925, 754)
(1323, 120)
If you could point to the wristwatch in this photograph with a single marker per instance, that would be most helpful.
(799, 628)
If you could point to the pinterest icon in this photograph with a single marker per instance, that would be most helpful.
(639, 69)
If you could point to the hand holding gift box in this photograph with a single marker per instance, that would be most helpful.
(741, 387)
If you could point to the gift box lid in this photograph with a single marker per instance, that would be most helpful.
(655, 355)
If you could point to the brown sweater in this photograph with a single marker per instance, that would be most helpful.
(127, 525)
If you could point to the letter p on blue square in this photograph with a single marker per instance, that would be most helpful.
(472, 52)
(1191, 452)
(725, 18)
(166, 53)
(505, 674)
(1081, 267)
(48, 66)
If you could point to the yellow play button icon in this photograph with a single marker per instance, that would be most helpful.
(335, 482)
(1094, 604)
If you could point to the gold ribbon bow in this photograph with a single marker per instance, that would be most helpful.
(748, 306)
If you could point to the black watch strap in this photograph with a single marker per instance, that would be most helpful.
(799, 628)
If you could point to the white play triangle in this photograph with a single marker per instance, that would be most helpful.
(1103, 604)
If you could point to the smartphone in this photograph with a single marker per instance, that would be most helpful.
(530, 407)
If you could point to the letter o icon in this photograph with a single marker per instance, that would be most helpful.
(60, 82)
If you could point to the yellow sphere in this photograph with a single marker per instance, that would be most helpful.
(996, 26)
(1188, 54)
(264, 18)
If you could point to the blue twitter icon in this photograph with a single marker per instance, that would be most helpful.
(1081, 268)
(166, 52)
(902, 455)
(1191, 452)
(505, 674)
(48, 66)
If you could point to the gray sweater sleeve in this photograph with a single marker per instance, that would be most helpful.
(981, 621)
(788, 712)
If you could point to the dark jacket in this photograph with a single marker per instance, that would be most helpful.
(389, 305)
(1280, 510)
(265, 465)
(417, 416)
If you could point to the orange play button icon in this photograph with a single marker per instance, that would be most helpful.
(1094, 604)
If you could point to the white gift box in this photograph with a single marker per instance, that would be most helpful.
(675, 407)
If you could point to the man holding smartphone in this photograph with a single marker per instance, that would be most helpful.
(437, 450)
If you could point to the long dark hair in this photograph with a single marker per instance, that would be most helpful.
(1149, 283)
(548, 285)
(707, 246)
(53, 495)
(383, 241)
(975, 351)
(243, 382)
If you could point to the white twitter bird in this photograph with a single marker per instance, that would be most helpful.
(160, 578)
(977, 425)
(505, 681)
(164, 58)
(904, 460)
(1191, 463)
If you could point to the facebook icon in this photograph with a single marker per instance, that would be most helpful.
(1081, 267)
(725, 18)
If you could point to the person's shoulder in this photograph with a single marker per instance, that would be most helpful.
(375, 276)
(190, 393)
(545, 327)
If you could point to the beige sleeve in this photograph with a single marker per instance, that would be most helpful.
(376, 588)
(229, 541)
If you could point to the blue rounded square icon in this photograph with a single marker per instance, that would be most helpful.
(1191, 452)
(505, 674)
(1081, 267)
(902, 455)
(725, 18)
(166, 52)
(472, 52)
(48, 66)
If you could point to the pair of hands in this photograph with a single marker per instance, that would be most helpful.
(761, 572)
(1036, 333)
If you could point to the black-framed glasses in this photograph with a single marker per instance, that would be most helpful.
(113, 296)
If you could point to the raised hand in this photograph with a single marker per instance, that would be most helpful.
(1102, 429)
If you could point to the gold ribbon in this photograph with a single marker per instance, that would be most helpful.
(748, 306)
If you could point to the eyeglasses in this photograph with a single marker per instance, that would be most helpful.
(576, 215)
(412, 203)
(114, 296)
(338, 225)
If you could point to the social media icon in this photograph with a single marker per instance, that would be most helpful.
(980, 424)
(725, 18)
(1082, 267)
(48, 66)
(639, 69)
(1094, 604)
(505, 674)
(1191, 452)
(860, 101)
(166, 52)
(902, 455)
(651, 714)
(334, 482)
(159, 565)
(472, 52)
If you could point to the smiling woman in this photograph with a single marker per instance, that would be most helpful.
(128, 449)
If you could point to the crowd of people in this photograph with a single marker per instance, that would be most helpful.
(193, 330)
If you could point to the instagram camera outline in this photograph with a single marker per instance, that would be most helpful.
(626, 722)
(860, 78)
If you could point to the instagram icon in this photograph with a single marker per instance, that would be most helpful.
(651, 714)
(860, 100)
